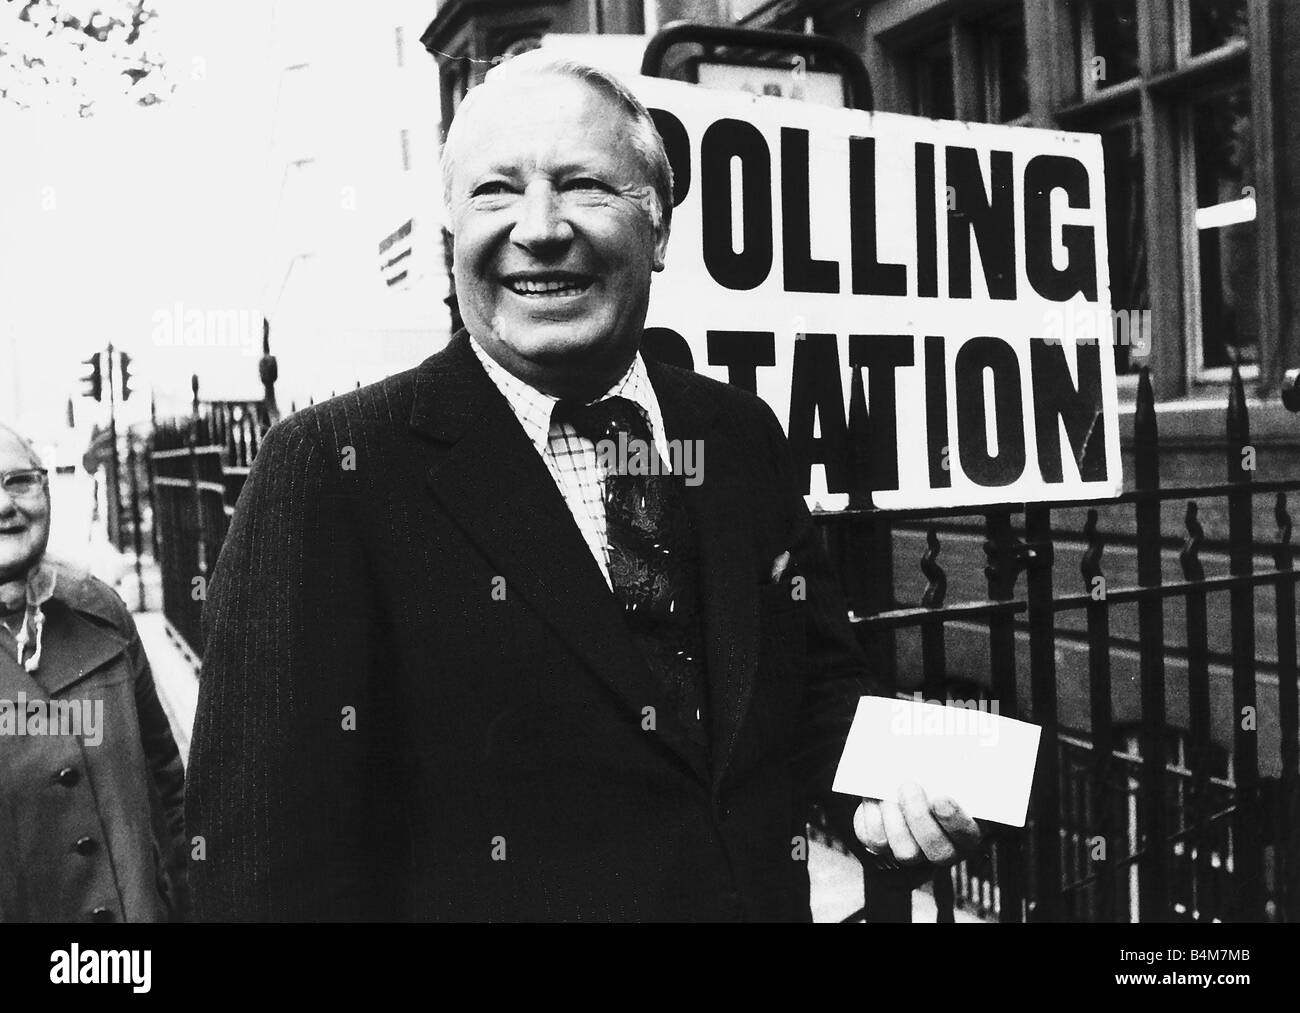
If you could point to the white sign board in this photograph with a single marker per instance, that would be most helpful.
(958, 269)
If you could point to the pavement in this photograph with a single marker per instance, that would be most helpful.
(175, 675)
(836, 881)
(175, 667)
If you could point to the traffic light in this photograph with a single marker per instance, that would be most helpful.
(94, 381)
(126, 376)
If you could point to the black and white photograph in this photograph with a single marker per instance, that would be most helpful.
(687, 462)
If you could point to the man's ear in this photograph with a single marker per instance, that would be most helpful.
(661, 247)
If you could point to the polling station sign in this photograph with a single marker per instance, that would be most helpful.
(958, 269)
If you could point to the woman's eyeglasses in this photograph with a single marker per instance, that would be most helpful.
(23, 482)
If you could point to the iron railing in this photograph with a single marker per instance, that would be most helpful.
(1176, 819)
(198, 465)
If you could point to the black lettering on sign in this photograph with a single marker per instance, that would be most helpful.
(981, 466)
(816, 396)
(991, 219)
(927, 242)
(677, 145)
(742, 352)
(1055, 396)
(802, 273)
(1043, 174)
(938, 449)
(724, 140)
(663, 344)
(881, 355)
(870, 277)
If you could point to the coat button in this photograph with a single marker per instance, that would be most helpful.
(86, 845)
(101, 914)
(68, 777)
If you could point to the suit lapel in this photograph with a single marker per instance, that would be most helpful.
(718, 512)
(491, 480)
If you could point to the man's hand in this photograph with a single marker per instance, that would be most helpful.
(914, 830)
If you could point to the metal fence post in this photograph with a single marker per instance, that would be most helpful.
(1003, 552)
(1288, 705)
(201, 540)
(1198, 702)
(1101, 719)
(1153, 876)
(1039, 560)
(1248, 840)
(934, 668)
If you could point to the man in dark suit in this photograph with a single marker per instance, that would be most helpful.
(463, 664)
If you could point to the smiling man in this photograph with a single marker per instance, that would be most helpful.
(461, 666)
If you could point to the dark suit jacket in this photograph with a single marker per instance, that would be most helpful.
(380, 736)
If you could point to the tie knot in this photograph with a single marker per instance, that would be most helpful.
(605, 420)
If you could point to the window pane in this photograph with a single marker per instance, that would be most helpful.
(1126, 233)
(1225, 227)
(1012, 70)
(1216, 22)
(934, 95)
(1115, 42)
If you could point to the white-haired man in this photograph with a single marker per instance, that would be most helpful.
(460, 667)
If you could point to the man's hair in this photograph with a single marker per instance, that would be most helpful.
(642, 135)
(23, 442)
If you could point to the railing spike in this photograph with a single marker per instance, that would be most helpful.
(937, 586)
(1146, 448)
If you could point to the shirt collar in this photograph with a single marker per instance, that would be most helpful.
(533, 408)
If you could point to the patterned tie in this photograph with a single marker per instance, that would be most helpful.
(653, 562)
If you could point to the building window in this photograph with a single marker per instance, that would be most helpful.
(1224, 289)
(1121, 145)
(1107, 34)
(1197, 149)
(932, 81)
(1206, 25)
(1004, 67)
(973, 69)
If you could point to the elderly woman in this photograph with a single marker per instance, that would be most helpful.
(91, 785)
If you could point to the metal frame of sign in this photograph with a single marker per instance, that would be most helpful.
(857, 82)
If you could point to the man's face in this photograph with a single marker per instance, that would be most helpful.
(24, 519)
(554, 247)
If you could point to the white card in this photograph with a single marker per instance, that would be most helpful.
(981, 760)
